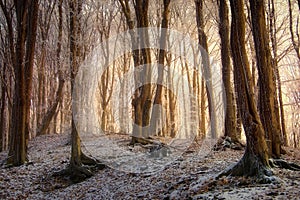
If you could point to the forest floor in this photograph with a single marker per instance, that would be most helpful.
(185, 178)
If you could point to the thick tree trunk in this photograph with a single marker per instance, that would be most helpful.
(33, 11)
(23, 69)
(142, 100)
(267, 86)
(255, 160)
(230, 117)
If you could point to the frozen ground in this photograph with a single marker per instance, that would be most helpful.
(187, 177)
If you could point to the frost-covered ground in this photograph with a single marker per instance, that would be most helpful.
(185, 178)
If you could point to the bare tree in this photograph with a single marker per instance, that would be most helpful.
(78, 158)
(156, 116)
(22, 54)
(273, 36)
(255, 161)
(267, 87)
(202, 38)
(295, 41)
(230, 118)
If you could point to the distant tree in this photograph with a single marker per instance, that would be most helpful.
(156, 116)
(295, 35)
(142, 97)
(202, 40)
(43, 121)
(273, 29)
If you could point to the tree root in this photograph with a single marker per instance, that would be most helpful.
(251, 166)
(80, 172)
(86, 160)
(279, 163)
(140, 140)
(226, 142)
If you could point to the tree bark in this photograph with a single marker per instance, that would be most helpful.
(267, 86)
(273, 31)
(78, 158)
(142, 98)
(294, 42)
(157, 116)
(26, 18)
(230, 117)
(202, 38)
(44, 125)
(255, 160)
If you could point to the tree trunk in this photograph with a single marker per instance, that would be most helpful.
(156, 115)
(202, 109)
(206, 67)
(75, 10)
(23, 69)
(267, 86)
(33, 10)
(273, 31)
(142, 98)
(294, 42)
(44, 125)
(255, 160)
(78, 158)
(230, 117)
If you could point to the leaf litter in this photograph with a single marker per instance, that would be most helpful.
(191, 176)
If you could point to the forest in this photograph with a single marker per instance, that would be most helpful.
(150, 99)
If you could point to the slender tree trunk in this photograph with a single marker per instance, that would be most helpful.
(44, 125)
(206, 67)
(202, 108)
(156, 115)
(230, 117)
(273, 31)
(294, 42)
(75, 10)
(3, 108)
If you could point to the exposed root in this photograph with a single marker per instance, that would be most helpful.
(226, 142)
(250, 166)
(86, 160)
(75, 173)
(80, 172)
(279, 163)
(140, 140)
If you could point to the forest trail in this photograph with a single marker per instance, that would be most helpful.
(184, 178)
